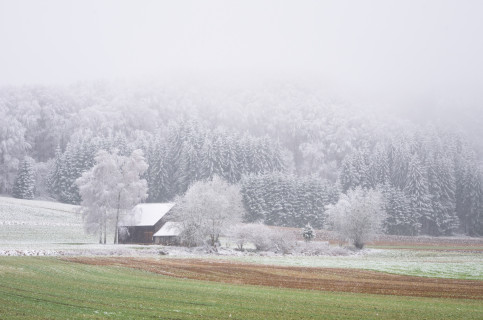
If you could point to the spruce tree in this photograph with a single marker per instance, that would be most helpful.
(417, 190)
(442, 192)
(308, 233)
(24, 184)
(398, 210)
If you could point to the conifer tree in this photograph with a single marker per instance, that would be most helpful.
(308, 233)
(397, 207)
(417, 190)
(24, 184)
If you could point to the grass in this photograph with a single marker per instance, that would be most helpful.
(49, 288)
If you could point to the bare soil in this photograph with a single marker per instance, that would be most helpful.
(323, 279)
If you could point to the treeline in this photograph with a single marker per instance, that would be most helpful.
(192, 152)
(284, 144)
(189, 152)
(315, 135)
(431, 181)
(287, 200)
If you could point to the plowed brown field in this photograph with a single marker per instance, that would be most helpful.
(324, 279)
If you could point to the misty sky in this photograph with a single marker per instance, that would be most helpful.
(413, 51)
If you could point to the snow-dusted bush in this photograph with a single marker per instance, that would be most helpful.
(260, 236)
(357, 216)
(319, 248)
(240, 234)
(263, 238)
(283, 241)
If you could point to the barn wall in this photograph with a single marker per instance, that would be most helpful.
(143, 234)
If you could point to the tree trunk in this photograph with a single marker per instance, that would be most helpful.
(105, 227)
(116, 231)
(100, 232)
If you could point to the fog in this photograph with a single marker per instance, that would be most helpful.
(407, 54)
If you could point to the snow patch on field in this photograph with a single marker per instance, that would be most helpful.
(440, 265)
(40, 222)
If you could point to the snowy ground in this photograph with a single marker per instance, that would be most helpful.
(30, 221)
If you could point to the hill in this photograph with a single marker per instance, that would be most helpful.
(33, 221)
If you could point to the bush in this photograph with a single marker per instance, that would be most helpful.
(240, 234)
(260, 236)
(283, 241)
(320, 248)
(263, 238)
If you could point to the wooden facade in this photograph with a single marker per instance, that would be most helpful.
(142, 233)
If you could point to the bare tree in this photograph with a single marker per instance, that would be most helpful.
(357, 216)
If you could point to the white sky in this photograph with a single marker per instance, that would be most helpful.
(416, 50)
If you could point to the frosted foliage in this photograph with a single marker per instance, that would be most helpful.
(291, 146)
(207, 209)
(308, 233)
(111, 187)
(12, 148)
(24, 185)
(357, 216)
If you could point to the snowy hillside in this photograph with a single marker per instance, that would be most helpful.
(29, 221)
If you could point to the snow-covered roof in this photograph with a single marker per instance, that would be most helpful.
(170, 228)
(146, 214)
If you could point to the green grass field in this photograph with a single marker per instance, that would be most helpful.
(50, 288)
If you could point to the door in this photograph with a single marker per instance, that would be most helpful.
(148, 237)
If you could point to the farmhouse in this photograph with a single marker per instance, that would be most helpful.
(143, 222)
(168, 234)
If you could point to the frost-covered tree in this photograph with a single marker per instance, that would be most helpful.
(131, 188)
(112, 186)
(398, 209)
(417, 190)
(24, 185)
(308, 233)
(286, 200)
(207, 209)
(471, 206)
(358, 216)
(12, 148)
(442, 192)
(157, 173)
